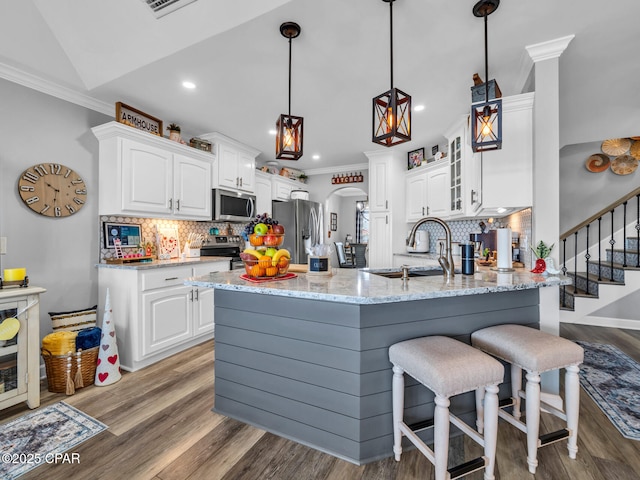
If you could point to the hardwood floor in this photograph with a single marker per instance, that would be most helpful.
(161, 427)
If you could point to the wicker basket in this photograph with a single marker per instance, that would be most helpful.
(56, 367)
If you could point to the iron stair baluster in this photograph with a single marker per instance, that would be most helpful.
(638, 231)
(612, 242)
(564, 270)
(575, 262)
(587, 257)
(599, 248)
(624, 235)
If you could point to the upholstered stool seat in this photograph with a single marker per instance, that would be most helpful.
(447, 367)
(535, 352)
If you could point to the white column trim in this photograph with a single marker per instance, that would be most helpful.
(549, 49)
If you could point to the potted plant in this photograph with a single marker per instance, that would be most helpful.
(303, 178)
(174, 132)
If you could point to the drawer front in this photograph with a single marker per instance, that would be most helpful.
(164, 277)
(210, 267)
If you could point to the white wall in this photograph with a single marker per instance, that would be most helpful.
(583, 193)
(59, 254)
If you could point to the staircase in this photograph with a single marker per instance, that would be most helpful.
(606, 281)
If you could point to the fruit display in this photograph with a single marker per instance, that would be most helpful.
(267, 263)
(264, 231)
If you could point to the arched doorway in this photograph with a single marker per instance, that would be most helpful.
(347, 206)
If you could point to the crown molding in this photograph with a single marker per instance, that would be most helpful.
(549, 49)
(48, 87)
(337, 169)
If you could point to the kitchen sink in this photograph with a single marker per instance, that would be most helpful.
(412, 273)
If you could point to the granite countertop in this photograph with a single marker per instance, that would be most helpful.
(363, 287)
(175, 262)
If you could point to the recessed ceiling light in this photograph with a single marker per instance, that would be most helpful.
(418, 108)
(272, 132)
(189, 85)
(316, 157)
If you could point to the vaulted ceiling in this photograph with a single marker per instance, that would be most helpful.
(98, 53)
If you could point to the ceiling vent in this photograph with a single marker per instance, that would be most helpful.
(161, 8)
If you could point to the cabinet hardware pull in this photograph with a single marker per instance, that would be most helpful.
(386, 219)
(386, 204)
(427, 210)
(197, 295)
(170, 278)
(191, 296)
(171, 204)
(178, 204)
(240, 181)
(473, 194)
(422, 210)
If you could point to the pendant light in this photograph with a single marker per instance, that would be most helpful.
(486, 116)
(392, 109)
(289, 127)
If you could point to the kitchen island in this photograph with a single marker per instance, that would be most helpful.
(306, 358)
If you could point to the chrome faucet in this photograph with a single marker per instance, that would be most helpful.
(446, 260)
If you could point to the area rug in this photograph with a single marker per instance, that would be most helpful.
(612, 379)
(43, 436)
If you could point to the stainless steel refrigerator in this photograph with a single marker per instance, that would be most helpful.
(303, 226)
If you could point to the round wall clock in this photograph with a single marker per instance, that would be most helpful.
(52, 190)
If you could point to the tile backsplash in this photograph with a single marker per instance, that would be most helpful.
(519, 222)
(147, 228)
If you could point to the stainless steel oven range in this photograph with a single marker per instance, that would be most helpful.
(224, 246)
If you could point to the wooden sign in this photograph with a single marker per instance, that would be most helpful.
(137, 119)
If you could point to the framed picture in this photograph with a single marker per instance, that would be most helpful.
(434, 149)
(415, 158)
(128, 233)
(334, 222)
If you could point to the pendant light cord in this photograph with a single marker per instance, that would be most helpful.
(289, 76)
(486, 61)
(391, 39)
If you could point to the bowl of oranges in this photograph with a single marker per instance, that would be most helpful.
(266, 263)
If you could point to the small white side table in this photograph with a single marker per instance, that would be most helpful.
(24, 349)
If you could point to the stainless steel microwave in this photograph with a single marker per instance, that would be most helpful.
(228, 205)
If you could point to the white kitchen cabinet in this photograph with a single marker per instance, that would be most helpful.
(282, 187)
(496, 182)
(20, 356)
(379, 184)
(380, 248)
(155, 314)
(143, 174)
(263, 192)
(416, 195)
(236, 163)
(437, 189)
(426, 191)
(387, 218)
(504, 178)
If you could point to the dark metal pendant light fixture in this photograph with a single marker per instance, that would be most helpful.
(289, 127)
(486, 116)
(392, 109)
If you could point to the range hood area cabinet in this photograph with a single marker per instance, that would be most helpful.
(236, 164)
(146, 175)
(499, 179)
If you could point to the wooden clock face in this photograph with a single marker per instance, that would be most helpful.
(52, 190)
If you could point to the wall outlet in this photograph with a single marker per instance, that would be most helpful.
(3, 245)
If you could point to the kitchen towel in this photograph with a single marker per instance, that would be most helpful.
(504, 248)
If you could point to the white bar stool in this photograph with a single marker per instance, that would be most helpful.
(447, 367)
(536, 352)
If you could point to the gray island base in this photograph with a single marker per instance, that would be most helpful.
(292, 359)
